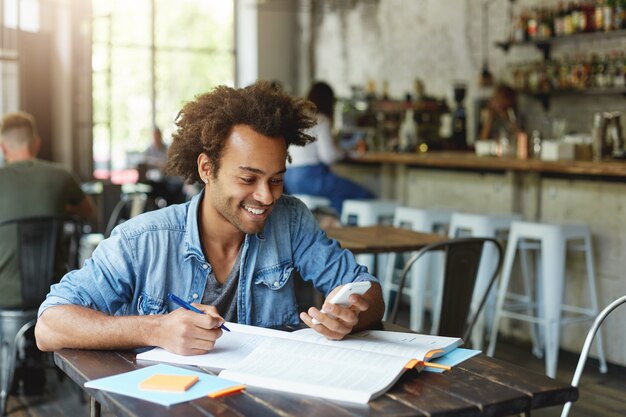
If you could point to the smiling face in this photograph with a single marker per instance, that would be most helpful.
(248, 182)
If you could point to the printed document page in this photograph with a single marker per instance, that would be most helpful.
(318, 370)
(411, 345)
(229, 349)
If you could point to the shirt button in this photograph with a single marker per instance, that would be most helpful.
(195, 296)
(205, 266)
(276, 284)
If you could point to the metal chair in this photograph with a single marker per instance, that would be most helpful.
(454, 314)
(584, 354)
(43, 244)
(129, 206)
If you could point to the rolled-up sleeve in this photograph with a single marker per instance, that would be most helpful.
(320, 259)
(105, 283)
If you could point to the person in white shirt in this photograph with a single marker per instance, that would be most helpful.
(309, 171)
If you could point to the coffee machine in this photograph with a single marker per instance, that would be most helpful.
(459, 118)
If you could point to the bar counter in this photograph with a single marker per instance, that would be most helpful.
(593, 193)
(468, 160)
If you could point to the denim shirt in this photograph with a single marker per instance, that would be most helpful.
(158, 252)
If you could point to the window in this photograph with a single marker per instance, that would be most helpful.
(149, 58)
(21, 14)
(14, 15)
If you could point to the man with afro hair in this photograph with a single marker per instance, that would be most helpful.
(233, 251)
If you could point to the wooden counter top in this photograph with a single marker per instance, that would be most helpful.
(468, 160)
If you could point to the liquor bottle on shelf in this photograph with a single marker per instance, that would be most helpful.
(568, 20)
(620, 70)
(519, 32)
(544, 28)
(536, 144)
(590, 18)
(559, 20)
(608, 10)
(533, 23)
(408, 132)
(599, 15)
(522, 145)
(597, 72)
(620, 15)
(617, 15)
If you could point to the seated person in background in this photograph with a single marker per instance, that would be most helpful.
(500, 116)
(233, 250)
(164, 186)
(309, 171)
(155, 155)
(30, 187)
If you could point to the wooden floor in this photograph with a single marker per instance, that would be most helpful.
(600, 395)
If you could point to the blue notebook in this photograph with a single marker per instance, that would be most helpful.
(452, 358)
(128, 384)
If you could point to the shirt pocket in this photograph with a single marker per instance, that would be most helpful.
(274, 277)
(274, 301)
(148, 305)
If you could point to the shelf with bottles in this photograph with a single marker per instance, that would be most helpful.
(426, 104)
(545, 97)
(579, 74)
(384, 117)
(545, 44)
(583, 20)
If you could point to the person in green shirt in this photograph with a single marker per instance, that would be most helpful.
(30, 187)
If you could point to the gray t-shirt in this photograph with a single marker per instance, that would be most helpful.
(224, 296)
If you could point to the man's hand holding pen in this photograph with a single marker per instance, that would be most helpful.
(192, 329)
(186, 332)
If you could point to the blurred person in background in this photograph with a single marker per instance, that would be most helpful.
(155, 155)
(165, 187)
(30, 187)
(309, 171)
(500, 116)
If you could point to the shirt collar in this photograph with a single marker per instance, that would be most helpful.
(192, 227)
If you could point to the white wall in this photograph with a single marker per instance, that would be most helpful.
(267, 42)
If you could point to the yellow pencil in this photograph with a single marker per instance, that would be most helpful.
(436, 365)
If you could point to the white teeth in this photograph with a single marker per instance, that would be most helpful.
(254, 211)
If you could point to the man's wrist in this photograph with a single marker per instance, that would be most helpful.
(149, 330)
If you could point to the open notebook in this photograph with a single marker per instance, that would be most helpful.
(360, 367)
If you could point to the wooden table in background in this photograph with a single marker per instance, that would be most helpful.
(381, 239)
(480, 386)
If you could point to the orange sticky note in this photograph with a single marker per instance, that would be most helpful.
(169, 383)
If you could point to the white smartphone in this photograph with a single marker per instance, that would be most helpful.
(341, 298)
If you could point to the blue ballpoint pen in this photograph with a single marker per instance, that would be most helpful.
(184, 304)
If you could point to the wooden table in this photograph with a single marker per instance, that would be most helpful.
(381, 239)
(481, 386)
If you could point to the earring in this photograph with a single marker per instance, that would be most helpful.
(205, 180)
